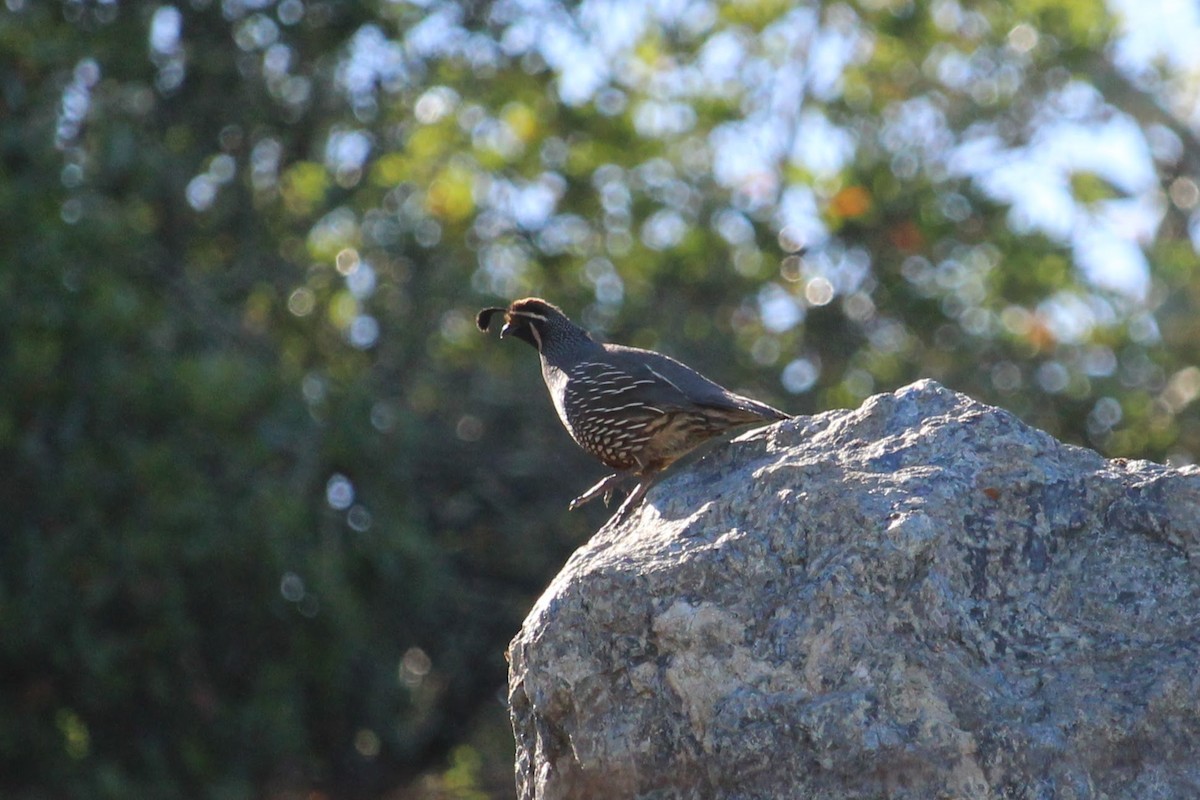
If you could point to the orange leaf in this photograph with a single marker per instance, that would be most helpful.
(853, 201)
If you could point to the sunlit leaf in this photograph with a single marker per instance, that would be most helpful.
(1088, 187)
(303, 187)
(450, 194)
(391, 169)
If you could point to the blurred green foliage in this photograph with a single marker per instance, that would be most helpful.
(272, 508)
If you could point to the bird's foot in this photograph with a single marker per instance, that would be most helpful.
(602, 489)
(605, 489)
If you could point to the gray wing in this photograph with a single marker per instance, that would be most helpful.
(678, 386)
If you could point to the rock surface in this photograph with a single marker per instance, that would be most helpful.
(921, 598)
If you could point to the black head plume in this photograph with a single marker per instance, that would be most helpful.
(483, 320)
(530, 319)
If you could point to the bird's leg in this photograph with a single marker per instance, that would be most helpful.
(634, 497)
(645, 475)
(603, 488)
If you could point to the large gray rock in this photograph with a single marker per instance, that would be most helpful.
(922, 598)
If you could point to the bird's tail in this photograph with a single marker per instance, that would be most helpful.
(746, 410)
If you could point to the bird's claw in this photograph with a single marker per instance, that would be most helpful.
(603, 489)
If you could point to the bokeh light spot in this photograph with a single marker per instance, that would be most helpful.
(800, 375)
(359, 518)
(818, 291)
(339, 492)
(302, 301)
(1023, 38)
(1006, 377)
(1184, 193)
(364, 331)
(1053, 377)
(791, 240)
(366, 742)
(414, 666)
(291, 587)
(469, 428)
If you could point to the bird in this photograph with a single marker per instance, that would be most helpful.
(636, 411)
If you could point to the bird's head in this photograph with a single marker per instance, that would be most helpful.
(532, 320)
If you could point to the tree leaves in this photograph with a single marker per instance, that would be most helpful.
(244, 243)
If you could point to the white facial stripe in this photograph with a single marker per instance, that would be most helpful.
(528, 314)
(537, 336)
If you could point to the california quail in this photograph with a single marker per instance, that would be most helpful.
(635, 410)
